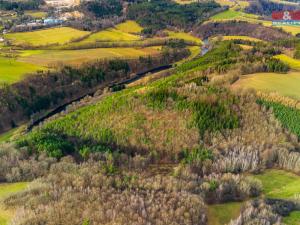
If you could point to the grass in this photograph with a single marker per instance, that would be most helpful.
(49, 36)
(184, 36)
(293, 63)
(283, 84)
(279, 184)
(233, 15)
(36, 14)
(246, 38)
(110, 35)
(5, 191)
(229, 14)
(276, 184)
(74, 57)
(7, 135)
(292, 219)
(12, 71)
(221, 214)
(129, 26)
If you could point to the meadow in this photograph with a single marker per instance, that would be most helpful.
(279, 184)
(129, 26)
(59, 35)
(293, 63)
(232, 37)
(276, 184)
(36, 14)
(231, 14)
(12, 70)
(282, 84)
(52, 58)
(184, 36)
(221, 214)
(5, 191)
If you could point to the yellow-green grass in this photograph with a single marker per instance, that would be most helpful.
(185, 1)
(6, 136)
(232, 14)
(283, 185)
(226, 3)
(279, 184)
(276, 184)
(59, 35)
(129, 26)
(283, 84)
(246, 47)
(221, 214)
(293, 63)
(292, 219)
(110, 35)
(12, 70)
(52, 58)
(184, 36)
(36, 14)
(5, 191)
(245, 38)
(285, 2)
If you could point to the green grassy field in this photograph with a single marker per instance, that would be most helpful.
(276, 184)
(279, 184)
(246, 38)
(36, 14)
(129, 26)
(184, 36)
(292, 219)
(221, 214)
(231, 14)
(293, 63)
(110, 35)
(5, 191)
(49, 36)
(51, 58)
(12, 71)
(282, 84)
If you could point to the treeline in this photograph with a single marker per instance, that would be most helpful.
(20, 5)
(47, 90)
(156, 15)
(99, 14)
(240, 28)
(102, 8)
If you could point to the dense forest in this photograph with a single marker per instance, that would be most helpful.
(156, 15)
(21, 5)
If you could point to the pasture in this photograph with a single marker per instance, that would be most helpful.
(60, 35)
(221, 214)
(36, 14)
(130, 27)
(52, 58)
(5, 191)
(231, 14)
(184, 36)
(110, 35)
(293, 63)
(12, 70)
(283, 84)
(279, 184)
(276, 184)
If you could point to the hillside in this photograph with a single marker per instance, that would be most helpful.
(149, 112)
